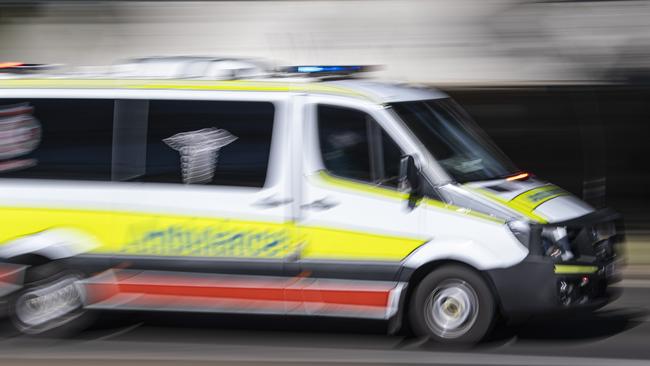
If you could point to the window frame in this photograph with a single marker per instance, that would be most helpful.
(373, 131)
(309, 140)
(307, 147)
(148, 124)
(278, 169)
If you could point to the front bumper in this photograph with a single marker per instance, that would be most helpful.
(540, 284)
(535, 286)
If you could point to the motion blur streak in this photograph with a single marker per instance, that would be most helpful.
(123, 289)
(471, 41)
(9, 64)
(11, 277)
(266, 204)
(518, 177)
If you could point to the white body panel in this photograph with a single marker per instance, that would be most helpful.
(480, 243)
(563, 208)
(351, 210)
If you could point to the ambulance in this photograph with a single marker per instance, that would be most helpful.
(306, 192)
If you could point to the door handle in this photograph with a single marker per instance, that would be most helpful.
(271, 202)
(320, 204)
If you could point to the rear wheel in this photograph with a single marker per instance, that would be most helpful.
(51, 302)
(452, 304)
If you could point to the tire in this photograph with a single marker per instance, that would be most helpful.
(452, 305)
(51, 302)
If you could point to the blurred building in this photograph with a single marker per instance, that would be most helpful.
(426, 41)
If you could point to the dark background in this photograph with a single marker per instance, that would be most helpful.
(591, 139)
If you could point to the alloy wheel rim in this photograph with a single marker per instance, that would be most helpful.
(451, 309)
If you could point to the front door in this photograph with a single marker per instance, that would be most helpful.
(354, 221)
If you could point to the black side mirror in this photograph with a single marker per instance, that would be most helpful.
(410, 180)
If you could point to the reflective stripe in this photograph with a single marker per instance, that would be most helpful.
(231, 85)
(574, 269)
(535, 197)
(145, 233)
(154, 290)
(521, 206)
(156, 234)
(394, 194)
(332, 243)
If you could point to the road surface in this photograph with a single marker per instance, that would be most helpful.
(616, 335)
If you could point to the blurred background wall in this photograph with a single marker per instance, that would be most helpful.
(563, 86)
(418, 40)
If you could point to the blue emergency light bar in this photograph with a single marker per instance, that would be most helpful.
(327, 69)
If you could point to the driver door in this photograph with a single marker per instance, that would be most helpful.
(355, 224)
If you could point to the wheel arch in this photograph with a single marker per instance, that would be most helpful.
(53, 244)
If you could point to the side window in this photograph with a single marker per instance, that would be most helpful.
(208, 142)
(56, 138)
(354, 146)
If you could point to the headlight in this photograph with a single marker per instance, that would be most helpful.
(604, 231)
(521, 230)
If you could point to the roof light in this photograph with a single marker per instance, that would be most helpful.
(327, 69)
(520, 176)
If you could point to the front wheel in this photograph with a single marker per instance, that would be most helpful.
(452, 304)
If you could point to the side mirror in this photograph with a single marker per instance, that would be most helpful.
(410, 180)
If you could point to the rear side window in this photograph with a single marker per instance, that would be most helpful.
(208, 142)
(56, 138)
(353, 145)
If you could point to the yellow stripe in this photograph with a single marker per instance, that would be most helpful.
(393, 194)
(535, 197)
(519, 206)
(329, 243)
(233, 85)
(141, 233)
(155, 234)
(574, 269)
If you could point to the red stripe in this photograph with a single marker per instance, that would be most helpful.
(274, 294)
(10, 273)
(288, 290)
(344, 297)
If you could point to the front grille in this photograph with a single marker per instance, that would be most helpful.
(599, 240)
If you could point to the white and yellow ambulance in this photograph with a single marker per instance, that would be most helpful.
(309, 192)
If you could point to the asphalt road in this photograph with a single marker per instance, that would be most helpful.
(616, 335)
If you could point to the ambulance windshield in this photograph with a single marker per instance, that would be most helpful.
(461, 147)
